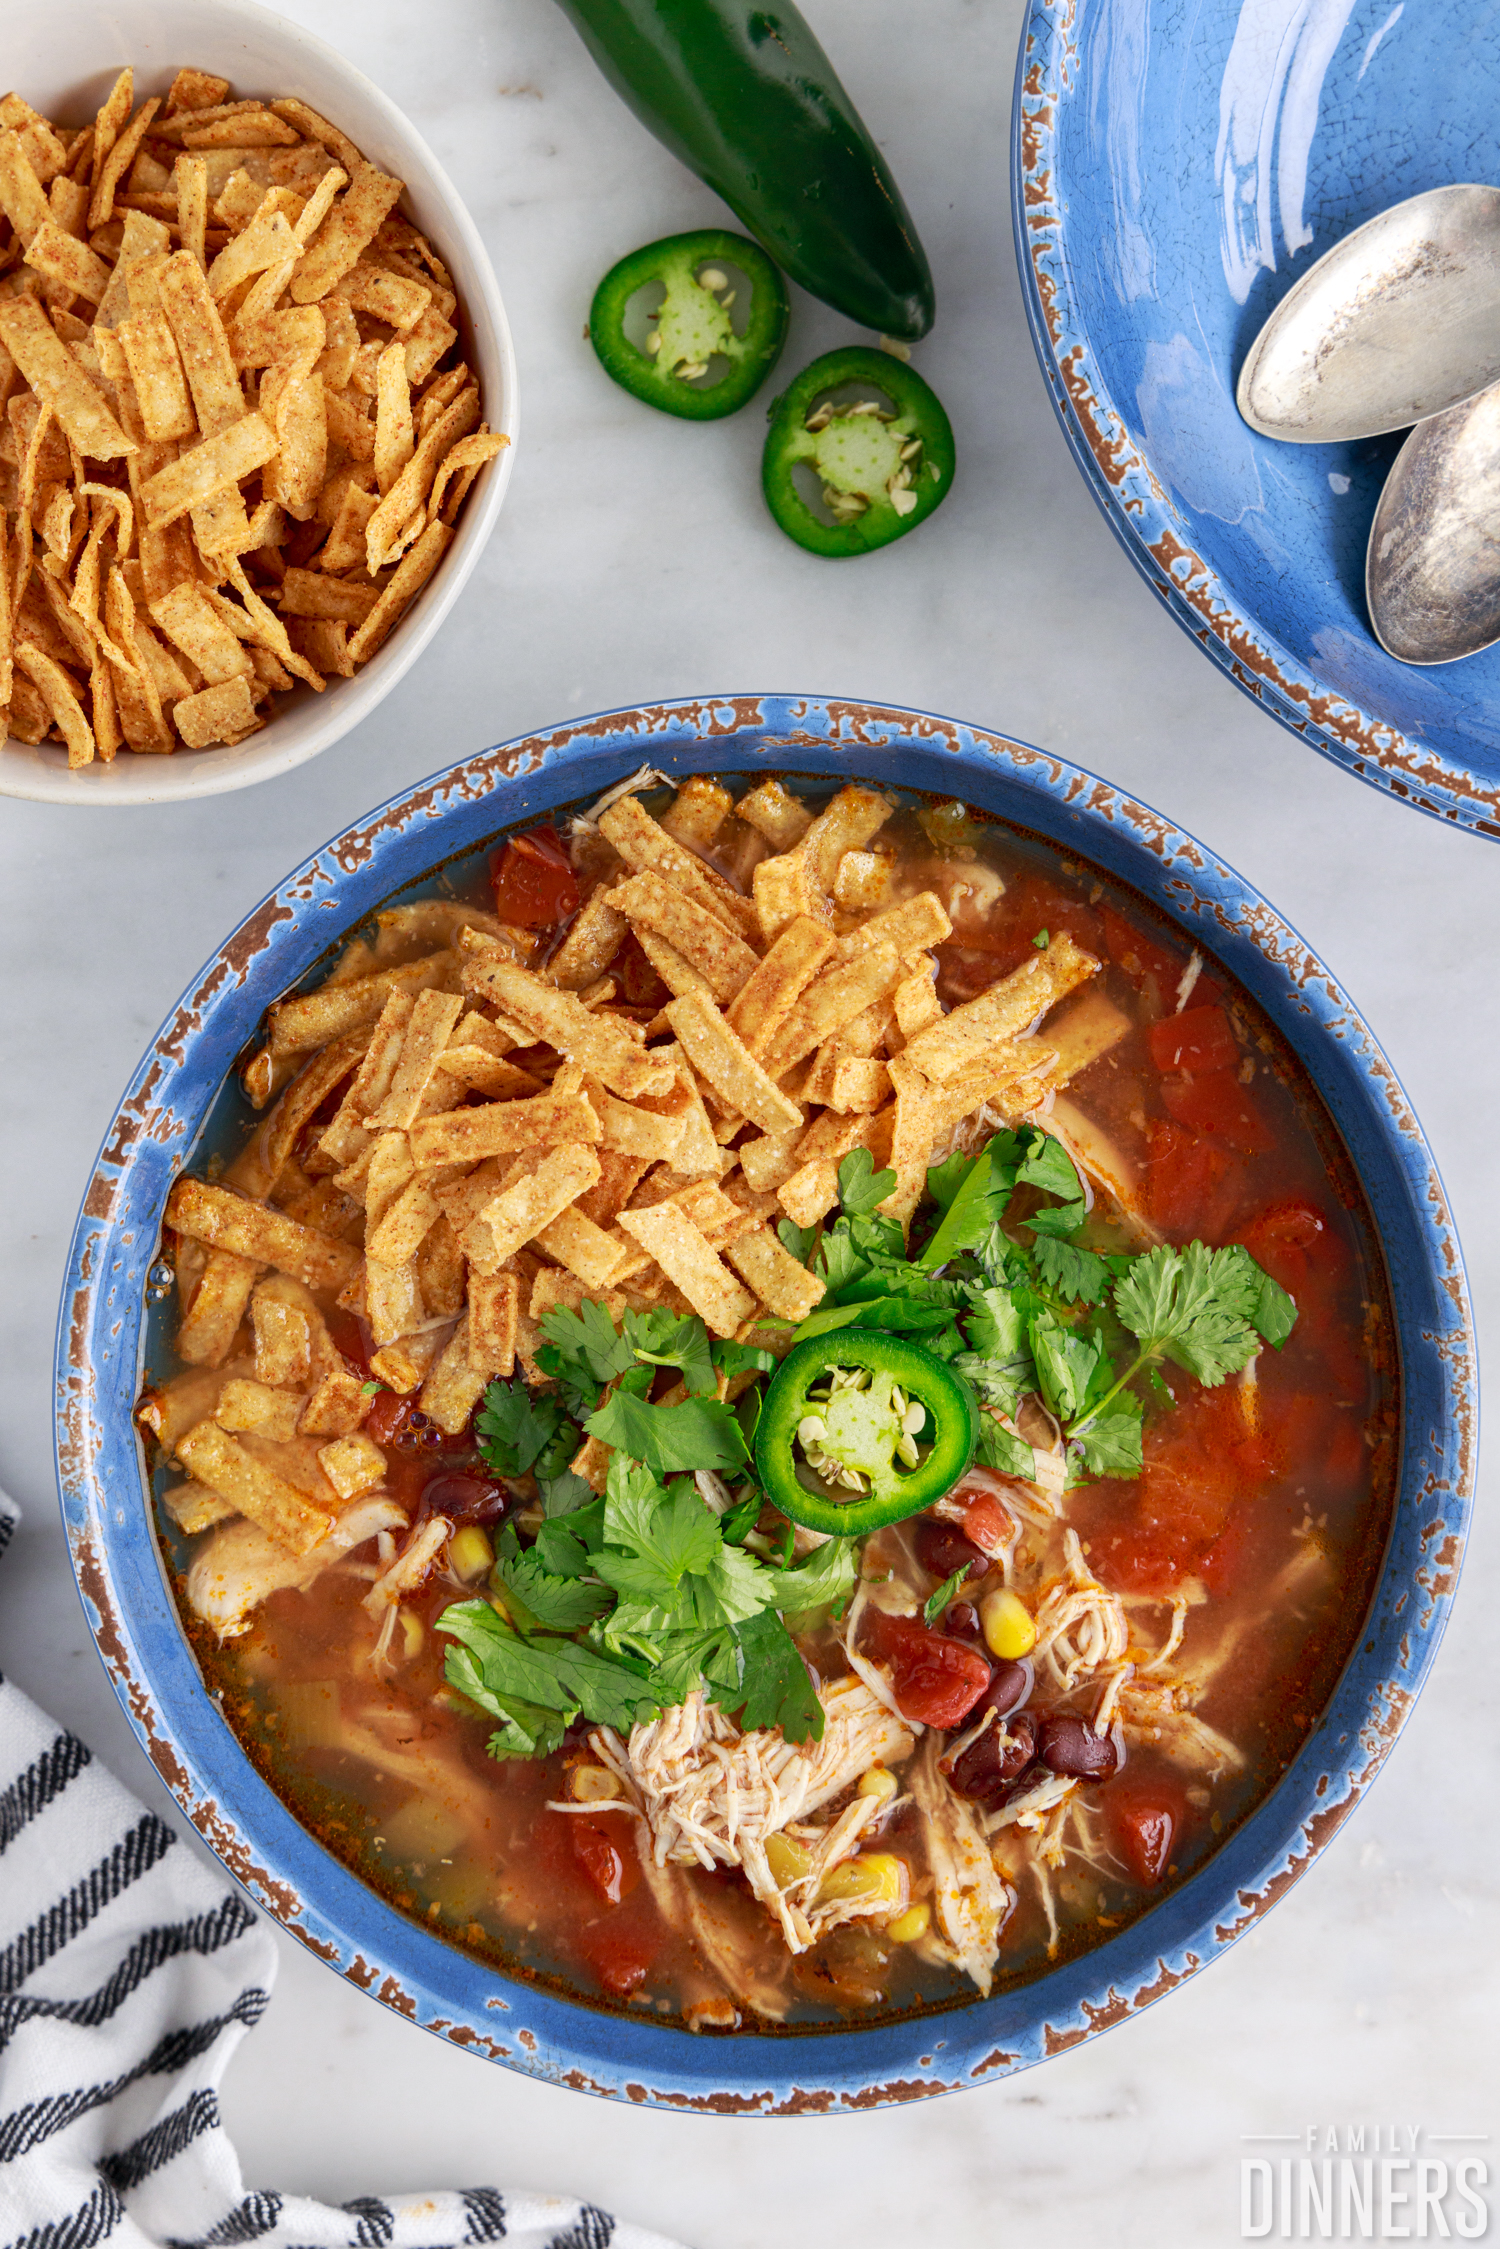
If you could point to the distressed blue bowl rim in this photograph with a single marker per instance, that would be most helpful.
(1154, 533)
(129, 1607)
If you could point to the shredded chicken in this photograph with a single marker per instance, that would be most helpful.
(1080, 1628)
(403, 1575)
(238, 1566)
(970, 1903)
(713, 1796)
(1158, 1714)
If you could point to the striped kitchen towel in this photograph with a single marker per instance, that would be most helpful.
(129, 1972)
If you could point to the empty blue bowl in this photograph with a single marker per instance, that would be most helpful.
(175, 1104)
(1175, 171)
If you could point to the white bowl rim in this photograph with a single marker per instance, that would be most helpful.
(41, 774)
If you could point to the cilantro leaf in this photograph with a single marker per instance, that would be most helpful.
(732, 1359)
(1254, 1295)
(673, 1339)
(1078, 1276)
(861, 1187)
(697, 1433)
(668, 1531)
(778, 1689)
(495, 1667)
(822, 1581)
(742, 1586)
(1111, 1444)
(1005, 1452)
(560, 1552)
(565, 1494)
(1047, 1165)
(1183, 1306)
(742, 1517)
(996, 1325)
(513, 1427)
(935, 1603)
(1001, 1383)
(1067, 1360)
(563, 1604)
(977, 1202)
(584, 1350)
(1055, 1220)
(796, 1240)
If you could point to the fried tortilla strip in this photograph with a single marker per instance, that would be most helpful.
(1088, 1029)
(349, 227)
(783, 1286)
(403, 1225)
(59, 382)
(208, 469)
(315, 128)
(61, 257)
(22, 195)
(111, 169)
(393, 1302)
(453, 1389)
(724, 961)
(193, 1509)
(769, 1162)
(283, 1342)
(914, 926)
(352, 1465)
(767, 999)
(665, 1233)
(223, 1465)
(57, 691)
(589, 947)
(433, 1017)
(254, 1405)
(585, 1249)
(406, 495)
(412, 574)
(1001, 1013)
(727, 1064)
(854, 816)
(786, 892)
(698, 1154)
(405, 1363)
(212, 1320)
(916, 1002)
(602, 1045)
(697, 812)
(226, 1221)
(859, 1086)
(337, 1406)
(256, 1170)
(313, 1018)
(645, 847)
(776, 814)
(483, 1072)
(217, 714)
(494, 1301)
(190, 174)
(635, 1132)
(830, 1002)
(468, 1135)
(675, 969)
(519, 1212)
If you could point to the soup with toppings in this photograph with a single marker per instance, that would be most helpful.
(778, 1406)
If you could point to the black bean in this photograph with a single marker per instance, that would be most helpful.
(986, 1769)
(462, 1497)
(1011, 1682)
(942, 1548)
(961, 1622)
(1070, 1745)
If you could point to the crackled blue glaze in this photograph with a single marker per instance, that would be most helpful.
(1178, 165)
(175, 1102)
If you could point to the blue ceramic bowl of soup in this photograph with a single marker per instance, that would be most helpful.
(111, 1323)
(1175, 174)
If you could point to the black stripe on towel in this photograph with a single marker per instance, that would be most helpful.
(258, 2214)
(47, 1777)
(166, 2139)
(377, 2221)
(593, 2229)
(82, 2227)
(151, 1950)
(486, 2213)
(148, 1841)
(25, 2128)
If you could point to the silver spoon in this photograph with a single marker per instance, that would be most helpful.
(1399, 321)
(1432, 568)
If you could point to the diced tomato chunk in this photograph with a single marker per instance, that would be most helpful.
(1147, 1817)
(534, 885)
(388, 1417)
(986, 1522)
(935, 1680)
(1295, 1243)
(1197, 1040)
(350, 1338)
(1216, 1102)
(1192, 1182)
(607, 1856)
(620, 1958)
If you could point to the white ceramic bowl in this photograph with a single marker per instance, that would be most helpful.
(63, 56)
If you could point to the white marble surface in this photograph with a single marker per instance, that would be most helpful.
(634, 561)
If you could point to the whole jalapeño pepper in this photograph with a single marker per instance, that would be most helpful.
(747, 99)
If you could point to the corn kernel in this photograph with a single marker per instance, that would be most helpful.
(1008, 1625)
(412, 1633)
(594, 1784)
(876, 1878)
(788, 1860)
(909, 1926)
(470, 1554)
(878, 1781)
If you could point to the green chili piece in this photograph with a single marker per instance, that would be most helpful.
(839, 1443)
(882, 464)
(697, 361)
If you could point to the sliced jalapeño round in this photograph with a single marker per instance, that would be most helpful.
(845, 471)
(702, 349)
(860, 1428)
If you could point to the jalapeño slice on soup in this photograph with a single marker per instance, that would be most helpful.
(782, 1410)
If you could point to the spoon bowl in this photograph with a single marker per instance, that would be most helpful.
(1398, 322)
(1432, 569)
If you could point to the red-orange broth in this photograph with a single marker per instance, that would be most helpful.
(1273, 1516)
